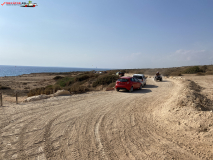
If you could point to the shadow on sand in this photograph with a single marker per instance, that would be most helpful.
(162, 81)
(165, 81)
(136, 91)
(150, 86)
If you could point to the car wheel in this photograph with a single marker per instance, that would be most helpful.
(140, 87)
(131, 89)
(117, 89)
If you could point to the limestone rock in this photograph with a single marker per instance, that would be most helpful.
(62, 93)
(35, 98)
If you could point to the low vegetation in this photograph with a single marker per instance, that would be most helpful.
(175, 71)
(65, 81)
(80, 82)
(200, 74)
(192, 70)
(77, 88)
(77, 83)
(44, 90)
(209, 73)
(105, 80)
(58, 77)
(4, 87)
(112, 84)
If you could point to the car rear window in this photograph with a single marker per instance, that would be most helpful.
(122, 80)
(138, 77)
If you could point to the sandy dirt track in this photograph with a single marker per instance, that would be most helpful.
(145, 124)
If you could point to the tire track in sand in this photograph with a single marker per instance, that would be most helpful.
(20, 142)
(98, 139)
(49, 149)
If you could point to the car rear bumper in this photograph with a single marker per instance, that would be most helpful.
(123, 87)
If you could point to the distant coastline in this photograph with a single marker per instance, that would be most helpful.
(12, 70)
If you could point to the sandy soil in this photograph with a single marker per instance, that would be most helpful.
(164, 120)
(24, 83)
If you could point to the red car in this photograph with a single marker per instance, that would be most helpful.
(128, 83)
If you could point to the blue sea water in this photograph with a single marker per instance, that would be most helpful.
(19, 70)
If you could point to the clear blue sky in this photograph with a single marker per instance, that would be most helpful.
(107, 33)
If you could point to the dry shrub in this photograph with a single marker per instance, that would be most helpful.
(177, 73)
(36, 91)
(97, 75)
(4, 87)
(58, 77)
(192, 70)
(166, 72)
(112, 84)
(43, 90)
(209, 73)
(105, 80)
(48, 90)
(76, 88)
(123, 71)
(112, 72)
(203, 68)
(82, 77)
(200, 74)
(209, 68)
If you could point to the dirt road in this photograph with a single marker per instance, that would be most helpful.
(145, 124)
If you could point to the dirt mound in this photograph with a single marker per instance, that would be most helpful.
(192, 97)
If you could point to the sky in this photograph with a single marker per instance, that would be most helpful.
(120, 34)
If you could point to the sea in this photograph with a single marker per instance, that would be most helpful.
(6, 70)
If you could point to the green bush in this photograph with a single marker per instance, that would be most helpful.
(82, 77)
(66, 81)
(192, 70)
(105, 80)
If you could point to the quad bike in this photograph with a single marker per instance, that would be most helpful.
(158, 77)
